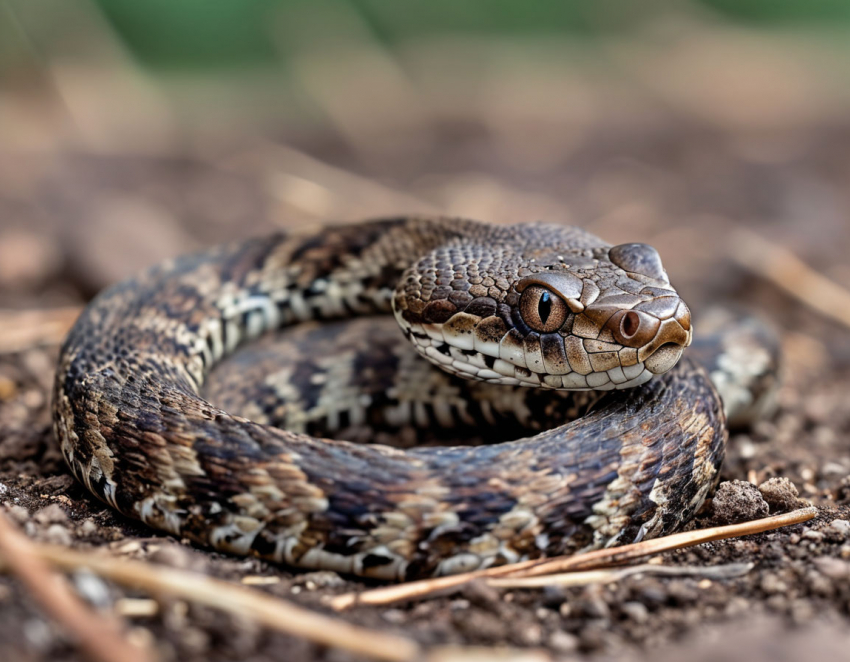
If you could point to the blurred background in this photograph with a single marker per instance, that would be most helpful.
(131, 131)
(716, 130)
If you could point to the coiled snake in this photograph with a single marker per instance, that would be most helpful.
(546, 306)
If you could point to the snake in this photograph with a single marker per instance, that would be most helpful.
(209, 397)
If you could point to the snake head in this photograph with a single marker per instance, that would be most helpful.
(587, 318)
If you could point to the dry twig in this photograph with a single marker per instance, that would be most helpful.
(231, 598)
(265, 609)
(588, 561)
(788, 272)
(97, 635)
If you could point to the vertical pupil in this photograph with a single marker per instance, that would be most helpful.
(544, 307)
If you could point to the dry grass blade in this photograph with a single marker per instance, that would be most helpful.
(588, 561)
(609, 575)
(97, 635)
(788, 272)
(231, 598)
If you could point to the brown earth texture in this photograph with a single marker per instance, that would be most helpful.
(73, 220)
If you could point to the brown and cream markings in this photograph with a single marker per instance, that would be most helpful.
(149, 426)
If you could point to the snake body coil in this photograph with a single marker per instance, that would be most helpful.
(546, 306)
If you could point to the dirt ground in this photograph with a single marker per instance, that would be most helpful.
(72, 221)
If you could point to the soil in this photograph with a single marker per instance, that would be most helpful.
(74, 221)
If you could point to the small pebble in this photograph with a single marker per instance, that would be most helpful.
(832, 568)
(38, 633)
(92, 589)
(394, 616)
(771, 584)
(563, 642)
(842, 492)
(652, 592)
(19, 514)
(88, 528)
(320, 579)
(682, 592)
(194, 639)
(173, 556)
(840, 527)
(481, 594)
(773, 550)
(553, 596)
(799, 552)
(8, 388)
(141, 637)
(459, 604)
(777, 602)
(593, 637)
(52, 514)
(484, 625)
(833, 469)
(58, 535)
(636, 611)
(530, 634)
(802, 611)
(737, 605)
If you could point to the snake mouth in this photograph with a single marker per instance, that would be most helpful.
(617, 349)
(664, 358)
(672, 336)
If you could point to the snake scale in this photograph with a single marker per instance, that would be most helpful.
(623, 439)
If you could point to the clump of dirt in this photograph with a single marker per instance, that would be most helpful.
(738, 501)
(781, 495)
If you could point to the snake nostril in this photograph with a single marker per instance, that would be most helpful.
(632, 328)
(630, 324)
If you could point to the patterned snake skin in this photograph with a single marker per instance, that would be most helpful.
(546, 306)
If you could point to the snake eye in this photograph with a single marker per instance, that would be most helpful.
(541, 310)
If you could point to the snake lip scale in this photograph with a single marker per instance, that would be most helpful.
(532, 305)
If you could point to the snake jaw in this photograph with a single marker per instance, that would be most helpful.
(618, 341)
(488, 349)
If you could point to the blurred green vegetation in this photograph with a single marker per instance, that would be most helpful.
(164, 34)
